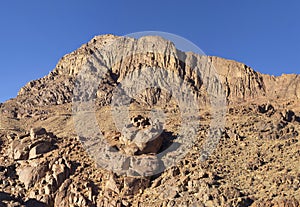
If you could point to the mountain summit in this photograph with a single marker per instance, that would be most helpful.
(137, 122)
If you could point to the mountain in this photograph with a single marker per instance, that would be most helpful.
(137, 122)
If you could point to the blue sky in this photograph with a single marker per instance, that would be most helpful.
(35, 34)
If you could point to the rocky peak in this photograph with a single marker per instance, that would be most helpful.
(240, 82)
(45, 162)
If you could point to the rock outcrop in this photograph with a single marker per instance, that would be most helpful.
(44, 162)
(240, 81)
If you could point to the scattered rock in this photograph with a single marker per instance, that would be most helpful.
(254, 164)
(34, 132)
(19, 150)
(140, 122)
(266, 108)
(30, 174)
(112, 185)
(279, 202)
(134, 185)
(290, 116)
(40, 148)
(68, 195)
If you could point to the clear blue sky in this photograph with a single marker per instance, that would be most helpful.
(35, 34)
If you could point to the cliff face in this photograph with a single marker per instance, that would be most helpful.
(240, 82)
(284, 86)
(44, 161)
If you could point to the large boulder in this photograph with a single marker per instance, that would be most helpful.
(29, 174)
(40, 148)
(143, 136)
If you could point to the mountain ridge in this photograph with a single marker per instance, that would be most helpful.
(44, 161)
(234, 75)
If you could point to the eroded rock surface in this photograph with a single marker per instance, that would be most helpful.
(255, 163)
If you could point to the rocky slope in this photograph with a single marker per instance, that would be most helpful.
(241, 81)
(256, 162)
